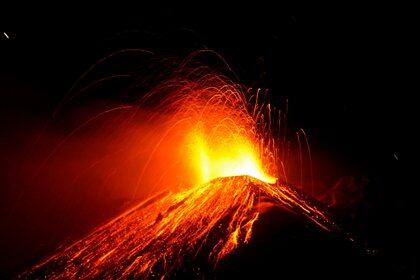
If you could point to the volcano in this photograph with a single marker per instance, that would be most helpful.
(162, 234)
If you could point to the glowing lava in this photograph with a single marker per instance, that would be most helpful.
(154, 238)
(235, 156)
(224, 134)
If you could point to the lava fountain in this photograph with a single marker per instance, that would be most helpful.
(230, 157)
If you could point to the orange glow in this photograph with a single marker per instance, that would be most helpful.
(223, 133)
(234, 156)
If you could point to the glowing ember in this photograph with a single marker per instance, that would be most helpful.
(230, 158)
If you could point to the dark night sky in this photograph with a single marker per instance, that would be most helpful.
(349, 78)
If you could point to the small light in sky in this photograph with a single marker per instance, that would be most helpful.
(5, 35)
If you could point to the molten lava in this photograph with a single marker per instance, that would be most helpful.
(227, 148)
(155, 237)
(234, 156)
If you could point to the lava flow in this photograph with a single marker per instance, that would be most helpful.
(231, 157)
(153, 238)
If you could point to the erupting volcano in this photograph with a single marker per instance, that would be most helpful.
(229, 156)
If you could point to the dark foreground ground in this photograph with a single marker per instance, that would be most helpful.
(285, 246)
